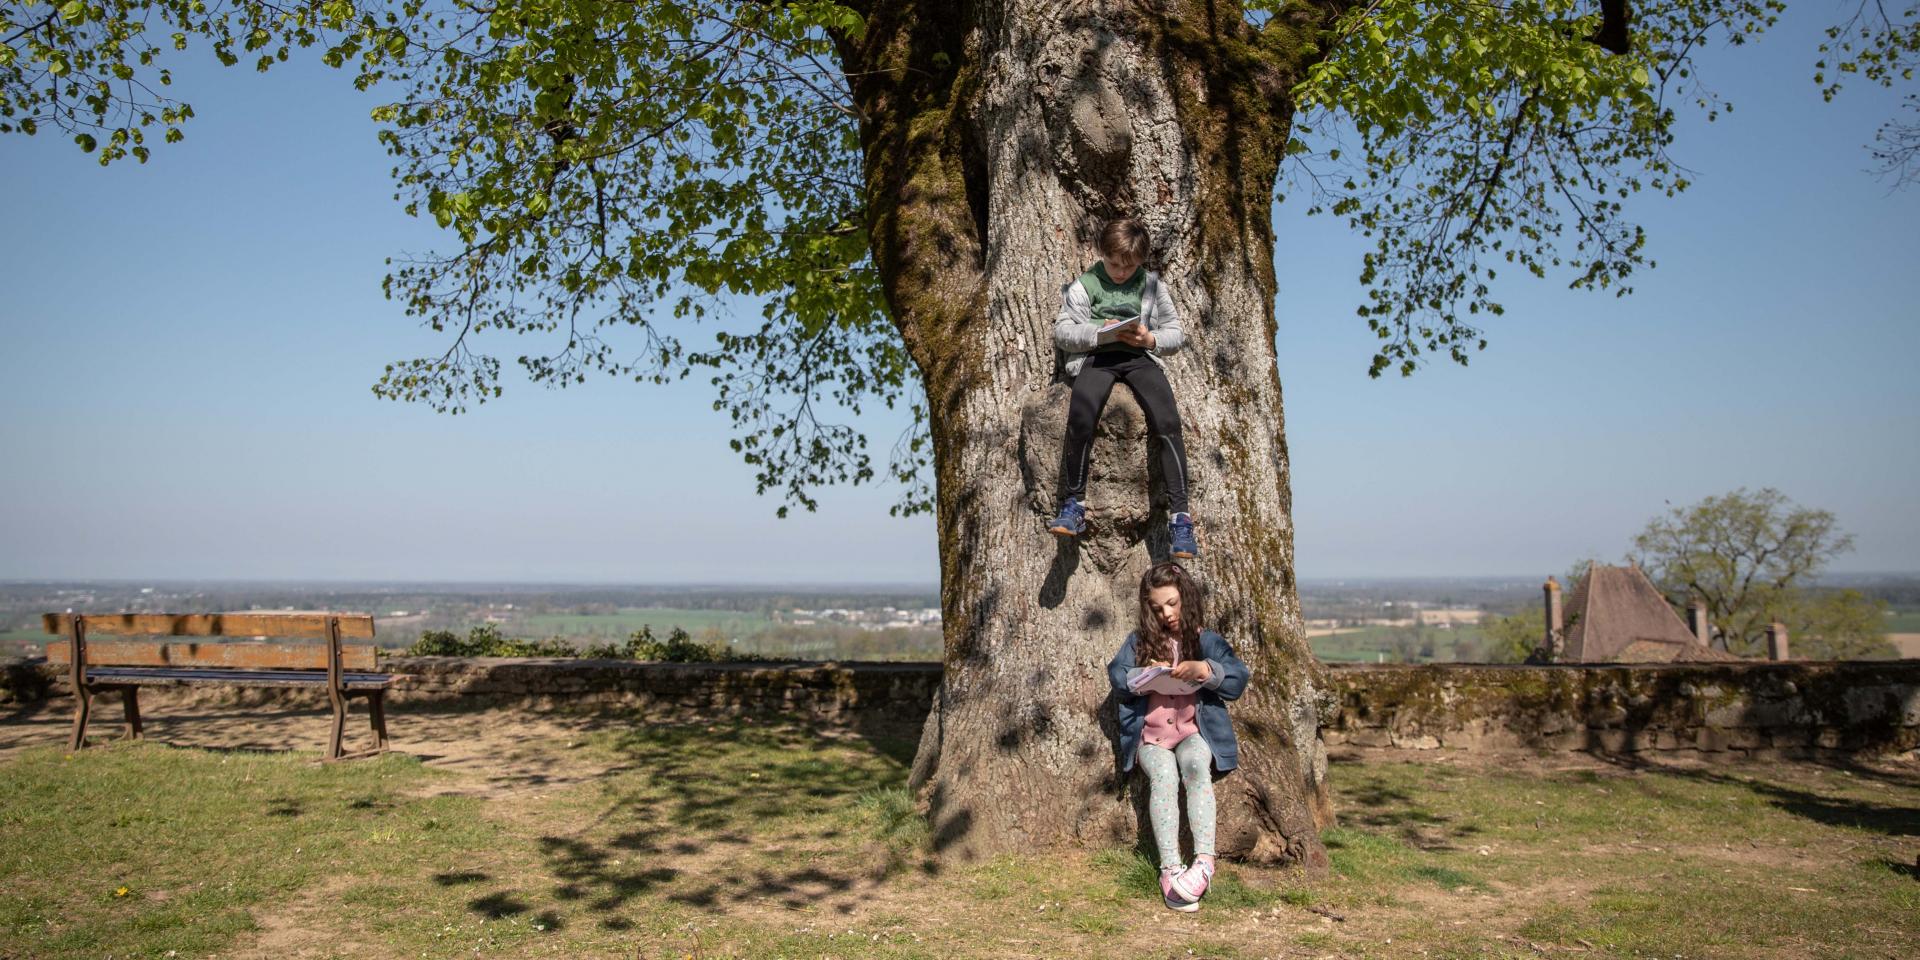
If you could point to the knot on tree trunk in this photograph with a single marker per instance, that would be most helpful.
(1090, 125)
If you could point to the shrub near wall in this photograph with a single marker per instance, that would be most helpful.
(24, 680)
(486, 640)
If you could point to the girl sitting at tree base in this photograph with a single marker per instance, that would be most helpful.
(1177, 737)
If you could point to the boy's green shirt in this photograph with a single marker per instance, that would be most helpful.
(1112, 301)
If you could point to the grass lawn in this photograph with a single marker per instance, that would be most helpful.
(745, 841)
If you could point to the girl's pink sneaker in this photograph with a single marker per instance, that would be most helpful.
(1170, 889)
(1191, 884)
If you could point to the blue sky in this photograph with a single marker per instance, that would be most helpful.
(186, 351)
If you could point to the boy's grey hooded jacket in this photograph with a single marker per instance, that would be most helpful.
(1076, 333)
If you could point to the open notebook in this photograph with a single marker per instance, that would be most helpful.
(1161, 680)
(1110, 333)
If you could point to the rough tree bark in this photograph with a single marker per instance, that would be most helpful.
(998, 135)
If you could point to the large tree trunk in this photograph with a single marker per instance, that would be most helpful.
(998, 137)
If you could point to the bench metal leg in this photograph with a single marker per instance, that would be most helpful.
(377, 712)
(130, 704)
(336, 740)
(82, 709)
(336, 690)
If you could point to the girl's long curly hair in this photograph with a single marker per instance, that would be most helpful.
(1151, 641)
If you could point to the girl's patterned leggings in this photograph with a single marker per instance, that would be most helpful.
(1190, 761)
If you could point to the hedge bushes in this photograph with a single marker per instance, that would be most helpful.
(486, 641)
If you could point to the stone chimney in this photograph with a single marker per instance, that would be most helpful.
(1777, 641)
(1697, 622)
(1550, 645)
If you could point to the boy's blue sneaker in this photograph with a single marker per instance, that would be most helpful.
(1072, 520)
(1181, 529)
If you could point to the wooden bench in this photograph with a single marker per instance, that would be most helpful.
(343, 670)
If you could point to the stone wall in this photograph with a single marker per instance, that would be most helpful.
(1761, 709)
(886, 699)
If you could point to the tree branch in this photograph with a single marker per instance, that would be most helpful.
(1613, 35)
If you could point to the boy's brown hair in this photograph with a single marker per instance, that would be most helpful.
(1125, 237)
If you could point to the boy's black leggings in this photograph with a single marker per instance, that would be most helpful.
(1150, 388)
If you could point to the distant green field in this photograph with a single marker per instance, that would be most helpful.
(1904, 621)
(730, 623)
(1368, 644)
(13, 643)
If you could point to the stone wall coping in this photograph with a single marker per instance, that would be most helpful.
(1909, 663)
(409, 664)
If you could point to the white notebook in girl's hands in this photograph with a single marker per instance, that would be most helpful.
(1161, 680)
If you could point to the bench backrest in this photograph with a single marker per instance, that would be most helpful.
(240, 655)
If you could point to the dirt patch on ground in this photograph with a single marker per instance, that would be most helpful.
(296, 930)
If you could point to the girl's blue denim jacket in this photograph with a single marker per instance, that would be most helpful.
(1228, 682)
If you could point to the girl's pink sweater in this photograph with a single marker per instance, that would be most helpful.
(1171, 718)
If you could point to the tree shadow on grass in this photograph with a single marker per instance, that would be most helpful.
(503, 905)
(1894, 821)
(1829, 809)
(1907, 777)
(19, 722)
(723, 815)
(1379, 806)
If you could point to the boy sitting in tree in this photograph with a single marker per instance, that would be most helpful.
(1116, 322)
